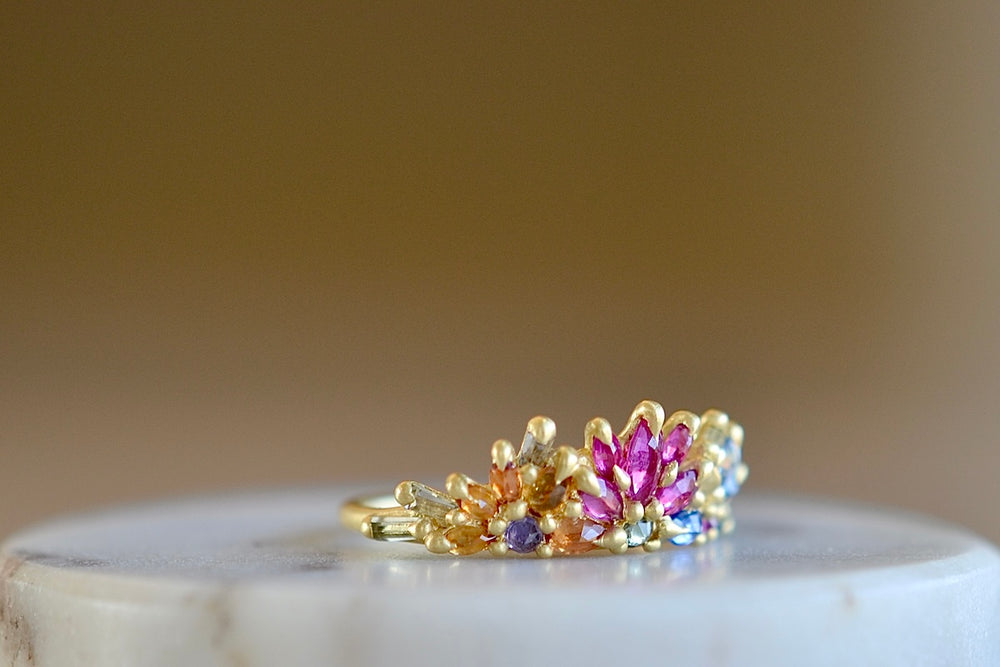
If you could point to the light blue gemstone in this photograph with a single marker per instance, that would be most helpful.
(691, 522)
(638, 533)
(729, 466)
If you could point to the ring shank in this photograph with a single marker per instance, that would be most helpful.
(379, 517)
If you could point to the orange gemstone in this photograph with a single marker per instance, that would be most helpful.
(545, 495)
(482, 503)
(507, 483)
(467, 540)
(568, 537)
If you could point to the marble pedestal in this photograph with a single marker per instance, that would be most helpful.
(270, 579)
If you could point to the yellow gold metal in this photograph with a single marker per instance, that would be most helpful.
(566, 461)
(586, 481)
(529, 474)
(502, 453)
(599, 428)
(634, 511)
(497, 526)
(669, 474)
(457, 486)
(469, 518)
(573, 509)
(516, 510)
(437, 543)
(622, 479)
(543, 429)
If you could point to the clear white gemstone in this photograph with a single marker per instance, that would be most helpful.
(533, 451)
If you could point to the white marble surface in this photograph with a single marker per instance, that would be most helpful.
(270, 579)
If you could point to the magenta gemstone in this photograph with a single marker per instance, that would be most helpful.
(641, 460)
(604, 508)
(605, 456)
(676, 497)
(676, 444)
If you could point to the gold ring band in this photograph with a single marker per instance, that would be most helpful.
(659, 481)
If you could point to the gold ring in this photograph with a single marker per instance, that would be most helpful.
(660, 481)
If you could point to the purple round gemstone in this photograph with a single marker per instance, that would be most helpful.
(524, 535)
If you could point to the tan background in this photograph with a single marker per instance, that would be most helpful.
(253, 246)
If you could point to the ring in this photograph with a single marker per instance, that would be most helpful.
(660, 481)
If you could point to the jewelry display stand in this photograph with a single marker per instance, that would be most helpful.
(271, 579)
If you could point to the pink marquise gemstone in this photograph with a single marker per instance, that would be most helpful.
(641, 460)
(676, 444)
(606, 507)
(605, 456)
(676, 497)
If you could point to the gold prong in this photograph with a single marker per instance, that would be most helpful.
(714, 417)
(718, 494)
(615, 540)
(457, 517)
(698, 499)
(622, 480)
(742, 472)
(404, 493)
(529, 474)
(566, 461)
(686, 417)
(652, 545)
(544, 550)
(366, 527)
(498, 547)
(599, 428)
(422, 529)
(669, 474)
(548, 523)
(728, 526)
(736, 433)
(573, 509)
(634, 511)
(515, 510)
(654, 510)
(712, 534)
(586, 481)
(709, 481)
(542, 429)
(497, 526)
(437, 543)
(651, 411)
(502, 453)
(701, 539)
(668, 528)
(457, 485)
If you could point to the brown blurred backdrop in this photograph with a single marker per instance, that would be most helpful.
(299, 244)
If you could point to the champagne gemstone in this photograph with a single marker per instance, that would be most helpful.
(571, 536)
(389, 528)
(482, 503)
(468, 540)
(429, 502)
(506, 483)
(545, 495)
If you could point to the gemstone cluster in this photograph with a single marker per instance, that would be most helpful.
(659, 481)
